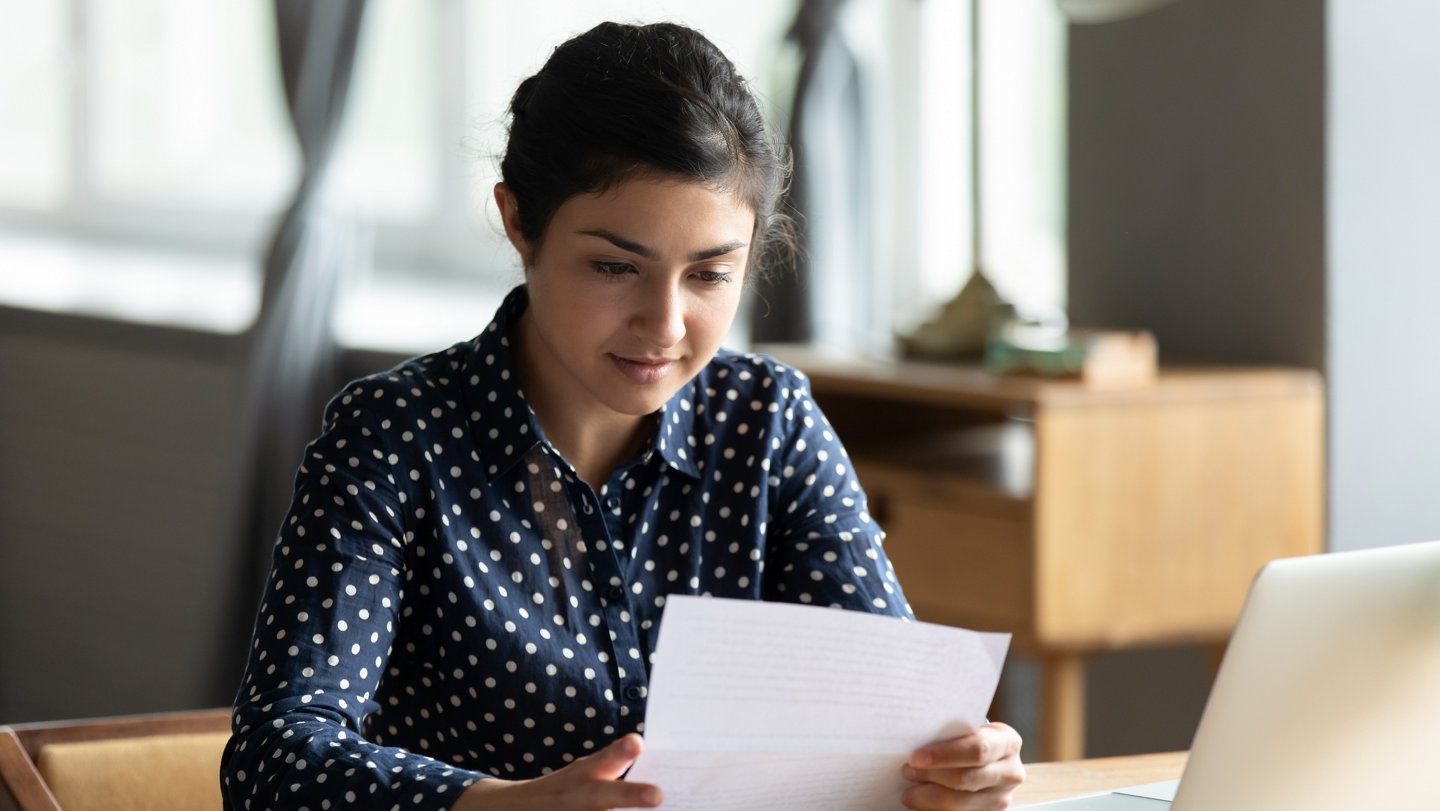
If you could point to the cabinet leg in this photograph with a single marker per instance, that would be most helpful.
(1062, 707)
(1214, 654)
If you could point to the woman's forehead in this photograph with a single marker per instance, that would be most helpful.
(660, 202)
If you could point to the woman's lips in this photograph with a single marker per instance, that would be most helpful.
(642, 371)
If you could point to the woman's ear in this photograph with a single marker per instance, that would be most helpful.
(510, 216)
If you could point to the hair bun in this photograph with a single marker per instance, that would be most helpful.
(619, 99)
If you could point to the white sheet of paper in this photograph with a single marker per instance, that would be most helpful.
(756, 705)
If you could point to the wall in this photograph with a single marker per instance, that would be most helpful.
(115, 453)
(1197, 186)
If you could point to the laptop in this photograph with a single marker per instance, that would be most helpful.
(1328, 696)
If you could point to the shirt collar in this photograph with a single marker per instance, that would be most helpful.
(676, 431)
(504, 427)
(501, 422)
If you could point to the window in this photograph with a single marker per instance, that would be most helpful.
(33, 115)
(1023, 151)
(162, 123)
(922, 72)
(447, 70)
(179, 114)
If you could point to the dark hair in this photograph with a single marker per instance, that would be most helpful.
(621, 100)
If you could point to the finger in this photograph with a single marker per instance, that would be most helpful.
(1004, 773)
(932, 797)
(619, 794)
(611, 762)
(985, 745)
(561, 790)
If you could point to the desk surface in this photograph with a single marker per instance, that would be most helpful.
(1056, 781)
(970, 386)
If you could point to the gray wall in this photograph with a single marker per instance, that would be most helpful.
(1197, 179)
(119, 572)
(115, 457)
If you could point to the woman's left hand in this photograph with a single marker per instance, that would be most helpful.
(979, 770)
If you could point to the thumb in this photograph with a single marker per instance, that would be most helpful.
(612, 761)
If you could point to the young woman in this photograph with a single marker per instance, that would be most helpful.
(467, 591)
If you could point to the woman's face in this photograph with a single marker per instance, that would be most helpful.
(631, 291)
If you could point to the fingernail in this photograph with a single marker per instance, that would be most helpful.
(650, 796)
(910, 772)
(920, 760)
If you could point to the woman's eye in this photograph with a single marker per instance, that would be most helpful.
(715, 277)
(613, 268)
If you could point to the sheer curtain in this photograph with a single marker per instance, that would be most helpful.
(291, 357)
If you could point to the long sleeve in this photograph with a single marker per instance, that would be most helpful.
(823, 546)
(323, 637)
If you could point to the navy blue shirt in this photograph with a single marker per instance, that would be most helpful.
(449, 600)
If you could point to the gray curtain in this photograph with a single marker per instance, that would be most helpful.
(823, 300)
(291, 357)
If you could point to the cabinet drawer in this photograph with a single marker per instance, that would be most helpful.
(958, 568)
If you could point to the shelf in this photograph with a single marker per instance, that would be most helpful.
(990, 466)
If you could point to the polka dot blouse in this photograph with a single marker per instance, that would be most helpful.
(450, 601)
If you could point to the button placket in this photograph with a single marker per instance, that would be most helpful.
(621, 626)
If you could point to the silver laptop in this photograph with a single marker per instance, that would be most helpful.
(1328, 696)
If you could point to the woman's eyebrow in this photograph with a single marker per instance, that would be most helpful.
(622, 243)
(719, 250)
(640, 250)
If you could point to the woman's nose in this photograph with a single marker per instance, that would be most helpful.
(660, 316)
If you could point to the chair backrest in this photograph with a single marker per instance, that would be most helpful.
(161, 761)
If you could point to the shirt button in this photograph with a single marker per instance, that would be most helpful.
(633, 692)
(612, 503)
(616, 594)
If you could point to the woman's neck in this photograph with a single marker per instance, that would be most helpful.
(596, 449)
(593, 438)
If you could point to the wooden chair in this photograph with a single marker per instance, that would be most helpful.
(153, 762)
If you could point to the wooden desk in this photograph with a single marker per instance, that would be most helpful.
(1081, 520)
(1058, 781)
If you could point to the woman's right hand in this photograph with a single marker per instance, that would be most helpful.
(591, 783)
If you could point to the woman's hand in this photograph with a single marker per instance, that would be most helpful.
(975, 771)
(591, 783)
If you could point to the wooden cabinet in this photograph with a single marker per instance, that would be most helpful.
(1081, 520)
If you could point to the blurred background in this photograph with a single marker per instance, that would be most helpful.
(1255, 181)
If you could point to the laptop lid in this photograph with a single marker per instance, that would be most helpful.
(1329, 693)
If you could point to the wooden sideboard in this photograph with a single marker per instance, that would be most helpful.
(1047, 782)
(1080, 519)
